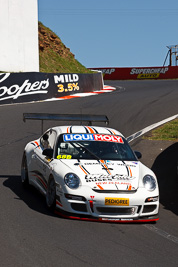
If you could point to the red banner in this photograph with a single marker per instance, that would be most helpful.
(134, 73)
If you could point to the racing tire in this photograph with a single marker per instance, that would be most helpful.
(51, 194)
(24, 172)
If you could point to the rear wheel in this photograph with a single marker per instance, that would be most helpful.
(24, 172)
(51, 194)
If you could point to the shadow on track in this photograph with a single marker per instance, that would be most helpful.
(36, 201)
(165, 168)
(30, 195)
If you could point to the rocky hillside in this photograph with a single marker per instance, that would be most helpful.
(54, 55)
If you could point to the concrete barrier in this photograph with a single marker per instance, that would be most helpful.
(36, 86)
(134, 73)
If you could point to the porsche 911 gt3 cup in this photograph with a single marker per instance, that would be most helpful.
(90, 173)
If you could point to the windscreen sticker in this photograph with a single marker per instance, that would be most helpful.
(93, 137)
(64, 157)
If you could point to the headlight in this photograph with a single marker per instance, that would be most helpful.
(149, 182)
(72, 180)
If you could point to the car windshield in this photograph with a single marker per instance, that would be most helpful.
(94, 146)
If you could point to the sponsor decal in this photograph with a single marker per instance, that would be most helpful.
(148, 73)
(64, 156)
(149, 70)
(67, 82)
(91, 163)
(107, 178)
(66, 78)
(117, 201)
(107, 71)
(109, 163)
(123, 183)
(26, 88)
(108, 138)
(78, 137)
(69, 88)
(115, 220)
(93, 137)
(148, 76)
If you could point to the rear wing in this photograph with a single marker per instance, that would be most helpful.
(66, 117)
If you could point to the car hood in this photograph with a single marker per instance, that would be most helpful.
(105, 175)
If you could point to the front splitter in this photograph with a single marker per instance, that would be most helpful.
(110, 220)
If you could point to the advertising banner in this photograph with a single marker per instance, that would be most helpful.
(134, 73)
(35, 86)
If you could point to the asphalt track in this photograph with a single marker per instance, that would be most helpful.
(32, 236)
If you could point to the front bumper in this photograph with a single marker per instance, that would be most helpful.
(109, 207)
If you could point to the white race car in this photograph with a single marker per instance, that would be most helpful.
(90, 173)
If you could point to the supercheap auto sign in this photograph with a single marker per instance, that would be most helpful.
(148, 73)
(137, 73)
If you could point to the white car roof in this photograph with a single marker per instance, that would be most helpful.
(85, 129)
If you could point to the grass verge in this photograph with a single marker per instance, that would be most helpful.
(168, 131)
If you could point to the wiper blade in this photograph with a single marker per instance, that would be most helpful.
(89, 151)
(104, 165)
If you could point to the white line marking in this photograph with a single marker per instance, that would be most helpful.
(133, 137)
(149, 128)
(162, 233)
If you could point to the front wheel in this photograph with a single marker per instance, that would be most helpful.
(51, 194)
(24, 172)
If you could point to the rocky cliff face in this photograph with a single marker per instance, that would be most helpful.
(49, 40)
(54, 55)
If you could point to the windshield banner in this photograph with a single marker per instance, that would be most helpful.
(93, 137)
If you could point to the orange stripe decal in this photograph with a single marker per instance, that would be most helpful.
(68, 129)
(113, 132)
(83, 169)
(90, 129)
(37, 144)
(130, 171)
(100, 187)
(107, 169)
(130, 187)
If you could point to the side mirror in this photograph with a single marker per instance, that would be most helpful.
(138, 154)
(48, 152)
